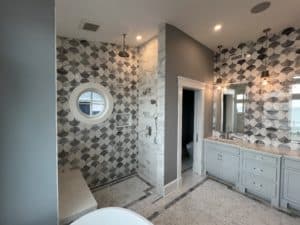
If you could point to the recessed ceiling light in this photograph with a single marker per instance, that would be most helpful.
(139, 37)
(217, 27)
(260, 7)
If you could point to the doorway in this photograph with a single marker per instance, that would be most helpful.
(189, 87)
(188, 99)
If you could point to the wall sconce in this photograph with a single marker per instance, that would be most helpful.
(219, 83)
(264, 76)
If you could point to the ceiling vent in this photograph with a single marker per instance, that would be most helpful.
(90, 26)
(260, 7)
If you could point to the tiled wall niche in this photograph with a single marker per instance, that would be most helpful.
(107, 151)
(267, 114)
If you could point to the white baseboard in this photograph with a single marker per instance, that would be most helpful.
(172, 186)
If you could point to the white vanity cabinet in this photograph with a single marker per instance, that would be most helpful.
(222, 161)
(260, 175)
(266, 173)
(290, 184)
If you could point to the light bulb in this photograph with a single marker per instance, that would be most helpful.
(264, 82)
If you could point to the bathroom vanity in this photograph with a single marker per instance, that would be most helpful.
(267, 173)
(227, 159)
(290, 183)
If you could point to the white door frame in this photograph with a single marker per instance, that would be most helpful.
(199, 88)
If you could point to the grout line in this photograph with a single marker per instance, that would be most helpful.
(142, 179)
(146, 191)
(185, 194)
(100, 187)
(135, 201)
(177, 199)
(253, 197)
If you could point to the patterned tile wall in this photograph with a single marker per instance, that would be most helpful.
(107, 151)
(267, 114)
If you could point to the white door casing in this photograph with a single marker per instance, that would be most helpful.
(199, 88)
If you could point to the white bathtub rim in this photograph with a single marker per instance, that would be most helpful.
(98, 211)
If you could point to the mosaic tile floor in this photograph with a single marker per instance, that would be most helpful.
(199, 201)
(123, 193)
(212, 203)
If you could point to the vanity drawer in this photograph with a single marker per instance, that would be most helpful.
(257, 168)
(292, 164)
(259, 186)
(261, 158)
(222, 147)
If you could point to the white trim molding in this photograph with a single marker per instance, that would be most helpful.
(172, 186)
(96, 88)
(192, 84)
(199, 88)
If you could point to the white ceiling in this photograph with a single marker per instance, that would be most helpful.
(195, 17)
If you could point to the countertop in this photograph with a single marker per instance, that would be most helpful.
(258, 147)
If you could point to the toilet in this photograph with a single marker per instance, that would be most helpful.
(190, 148)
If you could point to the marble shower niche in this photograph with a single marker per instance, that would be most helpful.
(267, 117)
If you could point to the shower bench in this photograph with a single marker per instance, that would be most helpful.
(75, 197)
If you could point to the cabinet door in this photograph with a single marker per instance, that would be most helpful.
(213, 162)
(259, 186)
(292, 186)
(230, 168)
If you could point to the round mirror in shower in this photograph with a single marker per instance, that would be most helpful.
(91, 103)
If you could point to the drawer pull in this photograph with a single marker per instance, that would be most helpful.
(253, 182)
(260, 158)
(261, 185)
(261, 170)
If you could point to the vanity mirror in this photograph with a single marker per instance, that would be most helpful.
(294, 109)
(229, 108)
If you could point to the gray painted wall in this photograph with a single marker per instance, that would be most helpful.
(28, 164)
(188, 58)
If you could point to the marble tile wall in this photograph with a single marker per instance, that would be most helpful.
(161, 95)
(107, 151)
(267, 109)
(148, 111)
(151, 116)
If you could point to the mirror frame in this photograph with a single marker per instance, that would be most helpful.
(95, 88)
(222, 104)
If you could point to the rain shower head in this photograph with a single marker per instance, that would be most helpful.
(123, 52)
